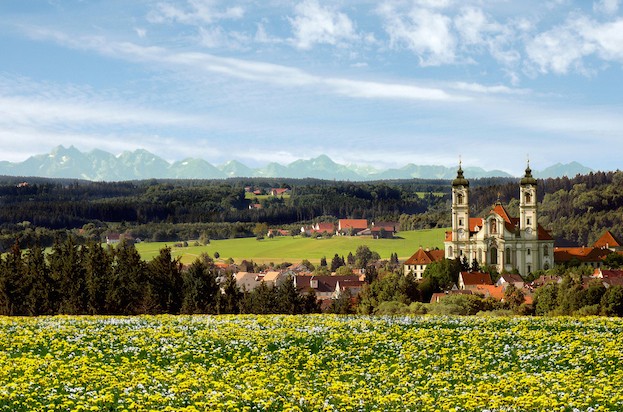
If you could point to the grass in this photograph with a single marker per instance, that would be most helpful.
(295, 249)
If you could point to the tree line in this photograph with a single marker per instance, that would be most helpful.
(92, 279)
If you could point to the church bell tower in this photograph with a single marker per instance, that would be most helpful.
(528, 205)
(460, 207)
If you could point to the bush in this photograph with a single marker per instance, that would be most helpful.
(589, 310)
(418, 308)
(392, 307)
(446, 309)
(495, 313)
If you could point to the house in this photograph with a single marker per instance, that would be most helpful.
(510, 279)
(278, 232)
(254, 206)
(605, 274)
(319, 229)
(113, 238)
(417, 263)
(497, 239)
(352, 287)
(351, 226)
(247, 280)
(593, 256)
(609, 241)
(274, 278)
(325, 287)
(279, 191)
(490, 291)
(469, 280)
(384, 230)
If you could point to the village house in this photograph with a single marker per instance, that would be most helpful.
(351, 226)
(470, 280)
(505, 242)
(507, 279)
(609, 241)
(247, 280)
(319, 229)
(384, 230)
(328, 287)
(417, 263)
(279, 191)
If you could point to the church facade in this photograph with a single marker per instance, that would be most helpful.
(508, 243)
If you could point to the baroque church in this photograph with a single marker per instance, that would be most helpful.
(506, 242)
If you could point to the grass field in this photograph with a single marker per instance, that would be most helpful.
(310, 363)
(295, 249)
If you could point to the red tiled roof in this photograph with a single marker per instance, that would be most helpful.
(475, 222)
(583, 254)
(496, 292)
(544, 234)
(353, 223)
(424, 257)
(499, 209)
(607, 240)
(476, 278)
(608, 273)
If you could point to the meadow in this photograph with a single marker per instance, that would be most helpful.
(310, 363)
(294, 249)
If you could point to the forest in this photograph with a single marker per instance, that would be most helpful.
(576, 210)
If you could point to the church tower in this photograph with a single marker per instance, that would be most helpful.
(460, 207)
(528, 205)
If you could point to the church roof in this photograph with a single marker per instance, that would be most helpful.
(607, 240)
(544, 234)
(460, 179)
(528, 179)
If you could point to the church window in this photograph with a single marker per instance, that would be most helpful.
(494, 256)
(479, 254)
(545, 250)
(528, 221)
(529, 269)
(528, 198)
(460, 222)
(450, 252)
(528, 253)
(459, 198)
(508, 256)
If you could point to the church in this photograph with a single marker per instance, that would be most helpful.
(499, 240)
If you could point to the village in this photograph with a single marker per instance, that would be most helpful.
(495, 252)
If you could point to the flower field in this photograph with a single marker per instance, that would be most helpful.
(311, 363)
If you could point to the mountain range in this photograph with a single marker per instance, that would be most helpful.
(98, 165)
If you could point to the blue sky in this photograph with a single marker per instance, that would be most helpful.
(382, 83)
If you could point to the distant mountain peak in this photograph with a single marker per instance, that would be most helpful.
(70, 162)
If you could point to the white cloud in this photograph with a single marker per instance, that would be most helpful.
(314, 24)
(201, 63)
(566, 47)
(427, 33)
(606, 6)
(142, 33)
(194, 12)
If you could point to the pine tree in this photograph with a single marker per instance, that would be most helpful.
(200, 288)
(127, 290)
(165, 279)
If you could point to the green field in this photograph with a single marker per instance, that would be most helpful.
(295, 249)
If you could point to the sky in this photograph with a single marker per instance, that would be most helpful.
(369, 82)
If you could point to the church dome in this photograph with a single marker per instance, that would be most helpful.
(528, 179)
(460, 179)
